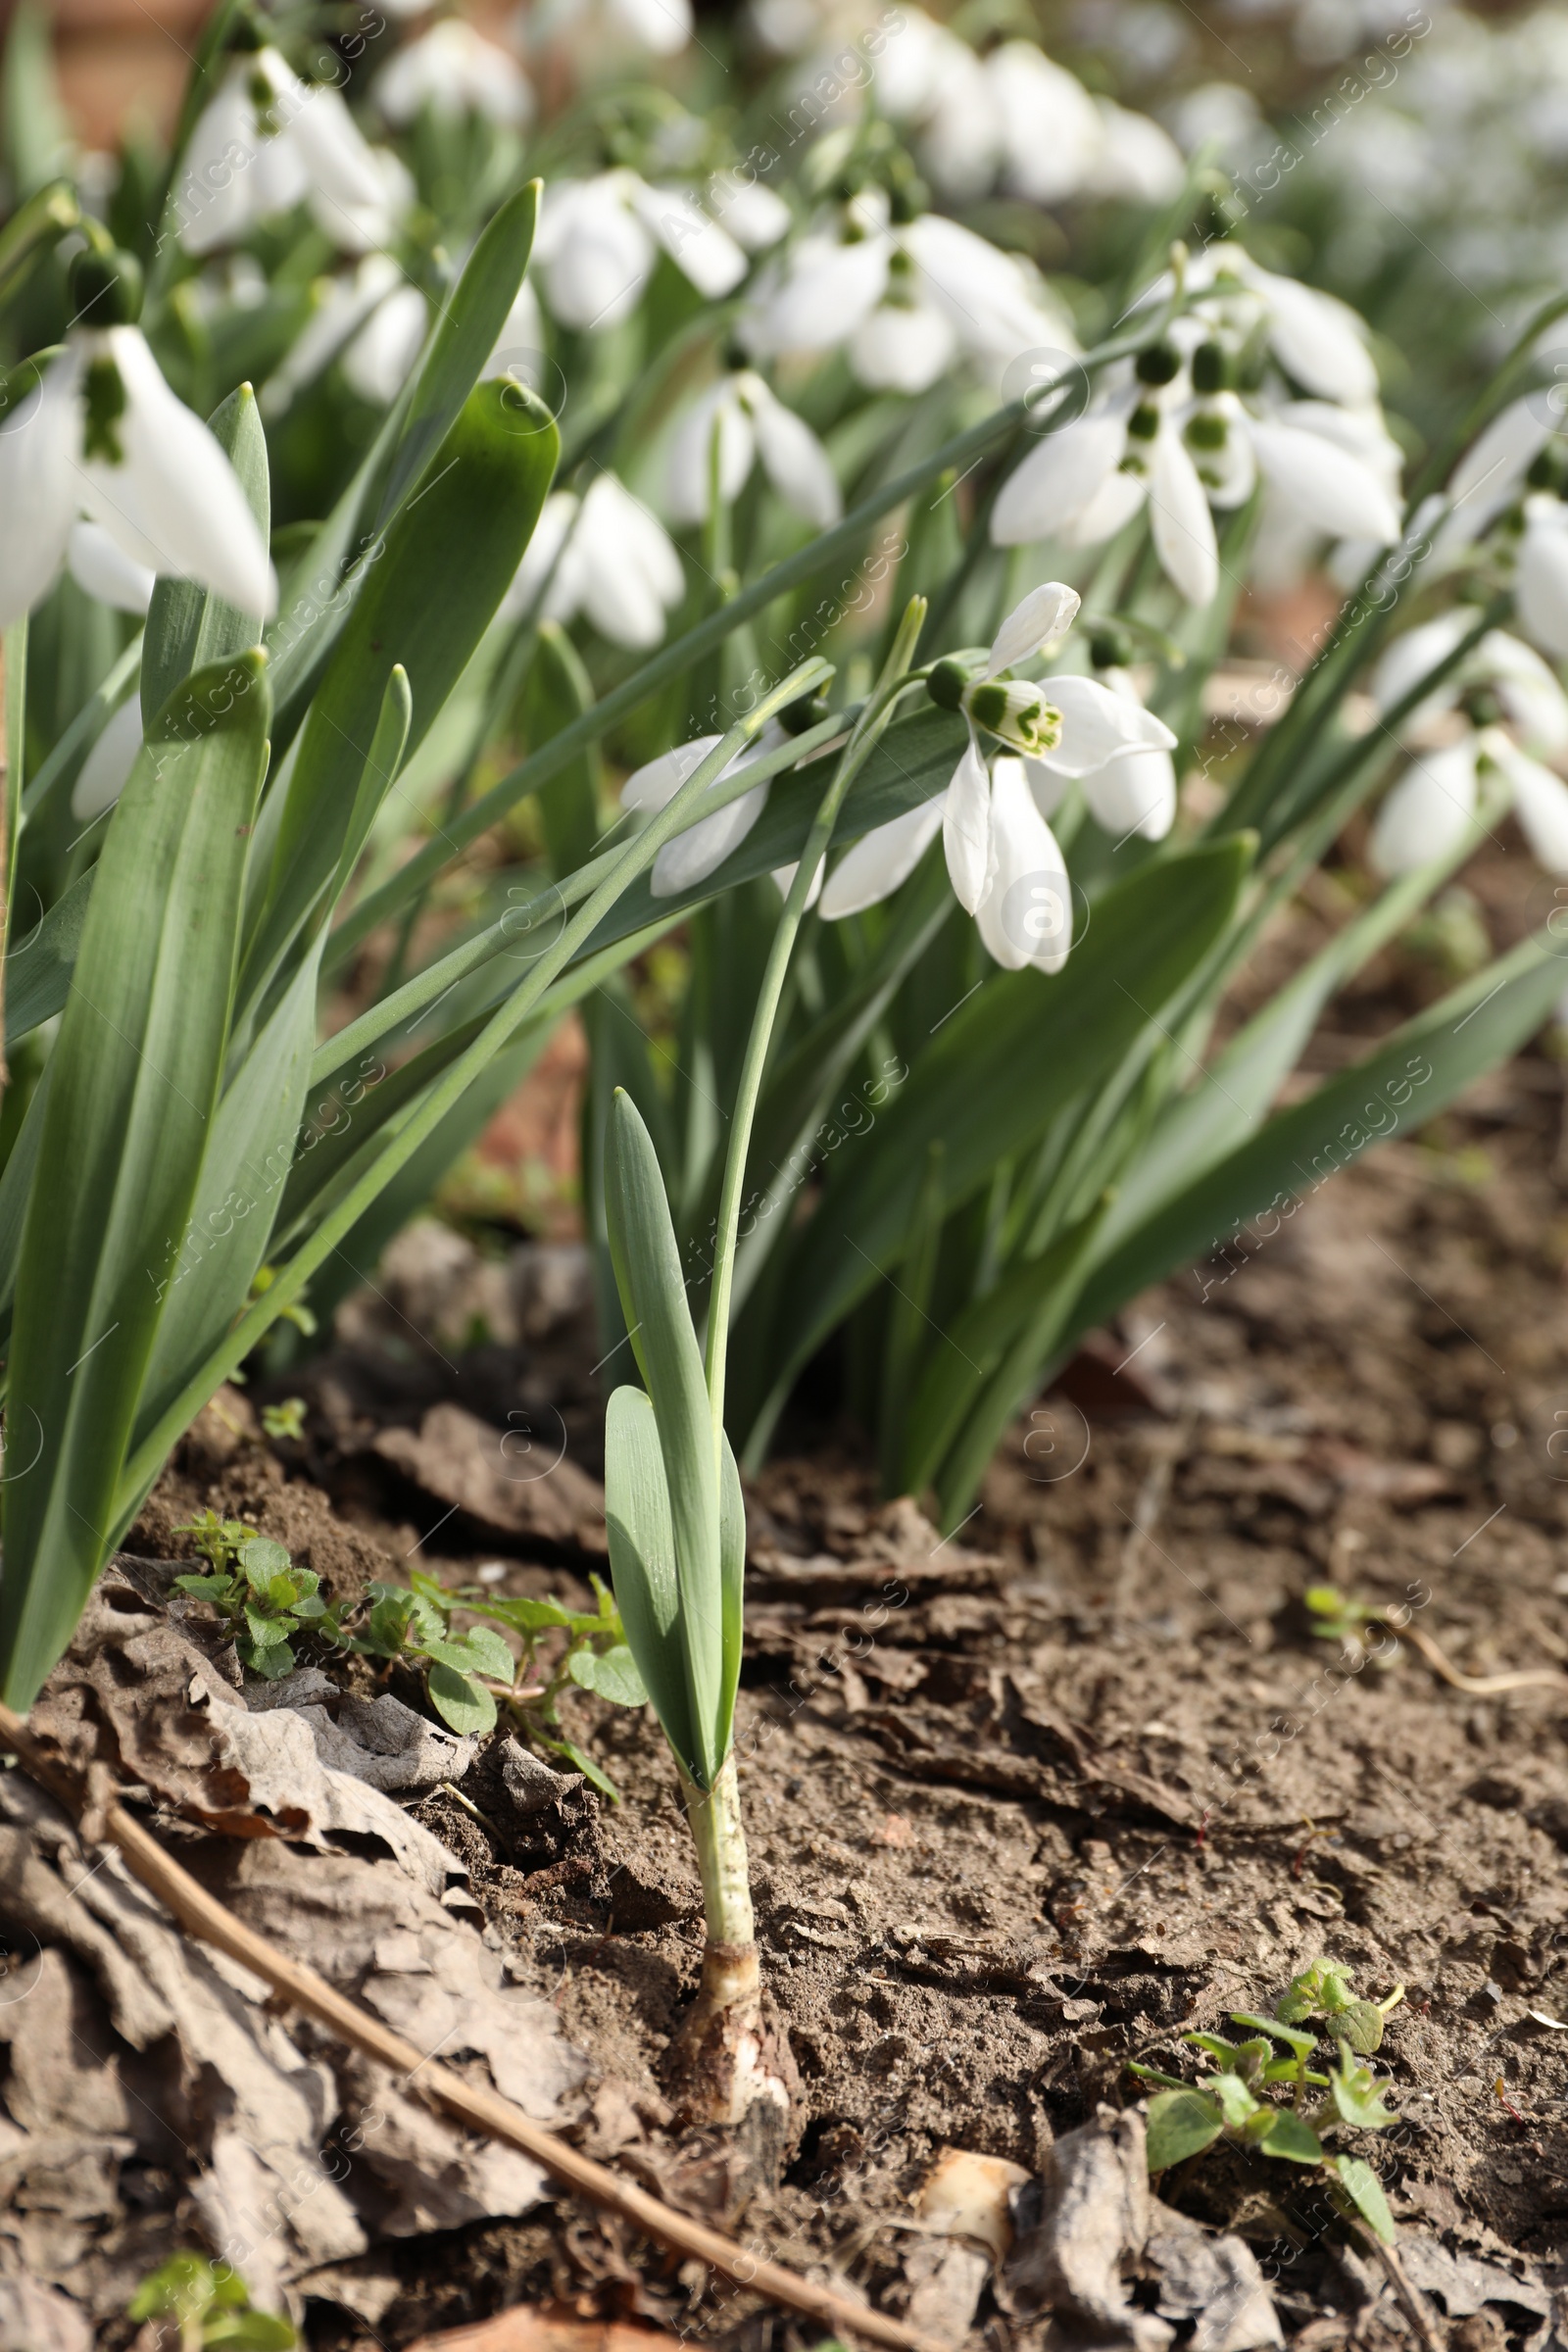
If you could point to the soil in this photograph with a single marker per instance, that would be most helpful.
(1027, 1804)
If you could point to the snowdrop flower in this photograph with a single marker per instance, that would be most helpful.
(1530, 697)
(693, 855)
(750, 422)
(907, 300)
(659, 27)
(102, 569)
(754, 215)
(1540, 580)
(1003, 860)
(1428, 810)
(266, 141)
(1426, 813)
(454, 72)
(1496, 466)
(1050, 135)
(102, 434)
(374, 321)
(598, 240)
(603, 555)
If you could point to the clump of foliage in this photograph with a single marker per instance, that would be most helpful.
(256, 1589)
(210, 2305)
(1264, 2094)
(594, 1656)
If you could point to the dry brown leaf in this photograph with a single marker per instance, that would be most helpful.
(463, 1460)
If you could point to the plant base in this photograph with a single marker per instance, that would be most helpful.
(729, 2063)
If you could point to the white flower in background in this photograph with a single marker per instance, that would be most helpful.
(595, 28)
(750, 422)
(104, 570)
(1428, 810)
(102, 434)
(695, 852)
(1003, 860)
(268, 141)
(454, 72)
(905, 299)
(374, 321)
(1495, 468)
(106, 770)
(598, 240)
(753, 215)
(1540, 580)
(605, 555)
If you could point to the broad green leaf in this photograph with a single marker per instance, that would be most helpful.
(1361, 2024)
(1292, 2141)
(1181, 2123)
(653, 1297)
(447, 560)
(466, 1705)
(261, 1559)
(998, 1071)
(38, 967)
(322, 590)
(188, 625)
(1414, 1074)
(642, 1563)
(1236, 2101)
(133, 1080)
(1364, 2191)
(488, 1653)
(526, 1616)
(611, 1673)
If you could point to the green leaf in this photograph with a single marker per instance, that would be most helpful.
(134, 1081)
(248, 2331)
(466, 1705)
(1243, 2057)
(1181, 2123)
(1400, 1087)
(642, 1562)
(447, 561)
(581, 1761)
(481, 1652)
(1364, 2191)
(38, 968)
(524, 1616)
(188, 625)
(1361, 2024)
(272, 1660)
(611, 1673)
(997, 1072)
(263, 1560)
(1289, 2138)
(653, 1297)
(1358, 2093)
(1236, 2101)
(1303, 2044)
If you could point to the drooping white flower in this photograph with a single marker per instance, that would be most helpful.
(106, 572)
(906, 300)
(1003, 860)
(1540, 582)
(454, 72)
(1531, 698)
(1050, 135)
(610, 28)
(691, 856)
(1131, 791)
(374, 321)
(266, 141)
(598, 240)
(107, 768)
(755, 215)
(102, 435)
(1428, 810)
(603, 555)
(751, 421)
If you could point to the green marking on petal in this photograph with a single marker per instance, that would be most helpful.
(104, 397)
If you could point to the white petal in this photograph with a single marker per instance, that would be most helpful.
(107, 766)
(520, 344)
(881, 860)
(1134, 794)
(103, 571)
(231, 176)
(597, 270)
(988, 298)
(792, 457)
(1326, 485)
(1498, 460)
(661, 26)
(1179, 518)
(1058, 480)
(1098, 724)
(38, 445)
(1048, 788)
(1427, 812)
(699, 249)
(1051, 133)
(784, 882)
(655, 785)
(377, 363)
(360, 228)
(686, 484)
(1527, 690)
(1137, 160)
(1411, 657)
(1539, 801)
(829, 291)
(753, 215)
(1026, 915)
(175, 500)
(966, 828)
(1318, 339)
(1114, 503)
(541, 560)
(453, 71)
(1046, 615)
(1540, 586)
(617, 528)
(901, 347)
(692, 856)
(337, 155)
(620, 602)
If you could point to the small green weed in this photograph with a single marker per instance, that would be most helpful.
(212, 2307)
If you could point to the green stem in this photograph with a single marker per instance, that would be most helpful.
(865, 734)
(634, 860)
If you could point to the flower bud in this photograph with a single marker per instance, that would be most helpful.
(1019, 714)
(105, 288)
(947, 685)
(1157, 363)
